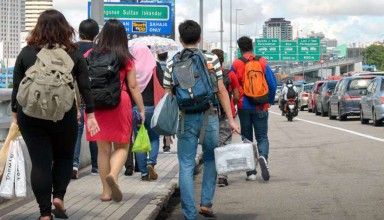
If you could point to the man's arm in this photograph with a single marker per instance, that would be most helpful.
(224, 101)
(272, 85)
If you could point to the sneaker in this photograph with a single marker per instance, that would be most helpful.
(145, 178)
(152, 172)
(75, 173)
(166, 149)
(128, 171)
(264, 168)
(251, 177)
(94, 171)
(222, 182)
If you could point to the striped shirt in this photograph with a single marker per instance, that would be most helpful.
(210, 57)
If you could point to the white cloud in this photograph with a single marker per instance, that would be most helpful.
(345, 20)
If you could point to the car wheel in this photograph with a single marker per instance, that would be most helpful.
(362, 119)
(341, 117)
(317, 111)
(375, 121)
(301, 108)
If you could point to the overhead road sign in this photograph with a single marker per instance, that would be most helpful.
(268, 48)
(142, 19)
(309, 49)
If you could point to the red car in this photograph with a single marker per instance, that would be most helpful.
(312, 95)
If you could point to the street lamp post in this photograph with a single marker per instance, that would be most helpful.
(230, 31)
(237, 9)
(239, 34)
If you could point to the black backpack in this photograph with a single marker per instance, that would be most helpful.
(104, 78)
(291, 94)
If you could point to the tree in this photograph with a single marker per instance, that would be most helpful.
(374, 55)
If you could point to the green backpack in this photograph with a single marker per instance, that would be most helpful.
(47, 90)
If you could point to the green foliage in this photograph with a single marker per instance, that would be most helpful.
(374, 55)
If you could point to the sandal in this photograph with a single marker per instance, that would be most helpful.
(117, 196)
(207, 213)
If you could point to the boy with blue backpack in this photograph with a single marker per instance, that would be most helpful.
(196, 90)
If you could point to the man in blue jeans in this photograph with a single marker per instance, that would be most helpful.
(254, 117)
(189, 132)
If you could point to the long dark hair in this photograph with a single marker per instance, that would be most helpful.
(113, 37)
(52, 28)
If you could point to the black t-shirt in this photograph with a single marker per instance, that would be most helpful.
(27, 58)
(84, 46)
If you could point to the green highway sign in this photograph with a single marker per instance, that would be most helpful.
(308, 49)
(267, 47)
(288, 50)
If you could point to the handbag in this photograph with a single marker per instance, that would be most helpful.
(12, 134)
(142, 143)
(165, 118)
(8, 180)
(20, 178)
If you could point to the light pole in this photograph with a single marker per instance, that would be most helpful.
(201, 21)
(239, 34)
(230, 31)
(97, 11)
(237, 9)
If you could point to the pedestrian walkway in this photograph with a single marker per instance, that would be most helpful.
(142, 200)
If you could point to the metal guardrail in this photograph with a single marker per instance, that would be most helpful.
(328, 64)
(5, 112)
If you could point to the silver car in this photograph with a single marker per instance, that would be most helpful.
(372, 102)
(303, 95)
(322, 97)
(278, 92)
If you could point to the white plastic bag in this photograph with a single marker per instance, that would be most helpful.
(20, 177)
(235, 158)
(8, 180)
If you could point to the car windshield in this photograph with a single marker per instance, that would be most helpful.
(357, 84)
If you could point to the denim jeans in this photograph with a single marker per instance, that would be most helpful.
(256, 120)
(186, 153)
(92, 145)
(142, 159)
(76, 154)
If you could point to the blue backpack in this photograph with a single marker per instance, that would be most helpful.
(194, 85)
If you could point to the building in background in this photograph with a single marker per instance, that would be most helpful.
(10, 28)
(33, 8)
(277, 28)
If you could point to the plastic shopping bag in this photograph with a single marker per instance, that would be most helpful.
(165, 118)
(142, 143)
(20, 178)
(8, 180)
(12, 134)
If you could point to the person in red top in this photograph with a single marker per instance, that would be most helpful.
(232, 86)
(254, 117)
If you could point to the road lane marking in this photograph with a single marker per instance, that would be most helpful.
(337, 128)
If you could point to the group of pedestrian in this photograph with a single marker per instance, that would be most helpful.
(54, 146)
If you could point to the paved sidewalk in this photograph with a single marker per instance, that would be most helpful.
(141, 199)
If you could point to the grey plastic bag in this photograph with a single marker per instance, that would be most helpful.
(165, 118)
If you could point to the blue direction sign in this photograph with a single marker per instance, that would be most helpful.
(142, 19)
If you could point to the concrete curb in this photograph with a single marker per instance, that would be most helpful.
(152, 210)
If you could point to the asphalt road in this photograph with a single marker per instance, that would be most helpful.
(320, 169)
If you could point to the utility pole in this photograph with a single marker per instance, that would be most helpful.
(221, 24)
(230, 31)
(201, 21)
(97, 11)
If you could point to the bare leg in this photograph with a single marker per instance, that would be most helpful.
(118, 158)
(104, 164)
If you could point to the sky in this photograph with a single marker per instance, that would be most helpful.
(347, 21)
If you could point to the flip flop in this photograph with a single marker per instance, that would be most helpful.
(60, 213)
(105, 200)
(117, 196)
